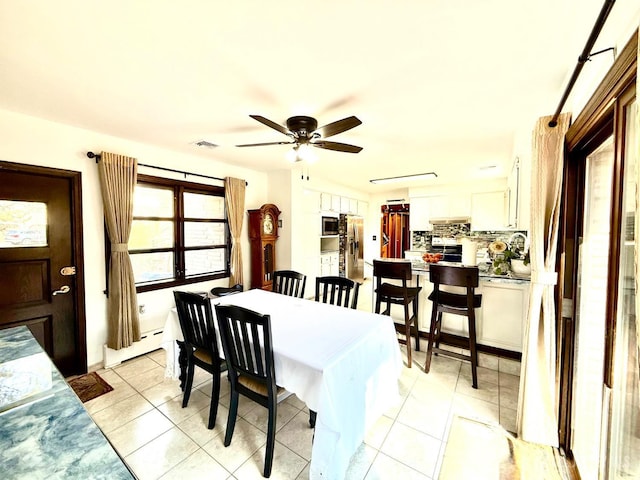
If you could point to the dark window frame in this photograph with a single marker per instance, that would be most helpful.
(180, 187)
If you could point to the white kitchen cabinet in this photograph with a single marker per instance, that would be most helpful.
(513, 195)
(419, 214)
(330, 202)
(329, 264)
(488, 211)
(353, 206)
(499, 321)
(450, 206)
(348, 205)
(503, 313)
(336, 201)
(325, 201)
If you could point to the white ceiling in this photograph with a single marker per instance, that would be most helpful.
(440, 85)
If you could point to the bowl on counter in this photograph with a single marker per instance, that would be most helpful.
(428, 257)
(519, 268)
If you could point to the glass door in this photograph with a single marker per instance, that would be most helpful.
(593, 266)
(624, 457)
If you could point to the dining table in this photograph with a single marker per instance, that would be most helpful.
(343, 363)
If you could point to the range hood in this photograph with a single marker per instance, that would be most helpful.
(449, 220)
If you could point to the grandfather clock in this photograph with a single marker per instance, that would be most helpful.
(263, 233)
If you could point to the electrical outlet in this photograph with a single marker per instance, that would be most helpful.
(141, 309)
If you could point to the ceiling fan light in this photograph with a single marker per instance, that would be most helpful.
(306, 153)
(301, 153)
(292, 155)
(405, 178)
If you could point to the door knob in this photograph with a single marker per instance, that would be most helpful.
(64, 289)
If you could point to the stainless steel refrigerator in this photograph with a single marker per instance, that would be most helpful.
(354, 260)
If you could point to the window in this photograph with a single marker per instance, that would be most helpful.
(179, 233)
(23, 224)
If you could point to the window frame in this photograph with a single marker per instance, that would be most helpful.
(180, 187)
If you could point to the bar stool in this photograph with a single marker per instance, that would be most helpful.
(456, 304)
(402, 294)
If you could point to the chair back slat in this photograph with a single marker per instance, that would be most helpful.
(196, 320)
(289, 282)
(337, 291)
(246, 340)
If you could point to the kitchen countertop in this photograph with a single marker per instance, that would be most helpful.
(48, 434)
(422, 268)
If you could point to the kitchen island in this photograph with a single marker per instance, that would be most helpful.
(45, 431)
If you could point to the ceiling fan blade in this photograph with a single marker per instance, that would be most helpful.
(338, 127)
(338, 147)
(272, 124)
(263, 144)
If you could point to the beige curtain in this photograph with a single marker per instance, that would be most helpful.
(118, 176)
(234, 198)
(537, 403)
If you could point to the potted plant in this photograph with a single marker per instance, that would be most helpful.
(500, 254)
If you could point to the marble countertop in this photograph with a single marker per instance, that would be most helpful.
(422, 268)
(50, 434)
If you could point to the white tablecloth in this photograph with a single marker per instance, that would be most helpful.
(342, 363)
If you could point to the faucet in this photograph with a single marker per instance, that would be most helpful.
(519, 234)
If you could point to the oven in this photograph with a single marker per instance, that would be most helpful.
(449, 247)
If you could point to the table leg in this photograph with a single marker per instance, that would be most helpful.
(312, 419)
(182, 361)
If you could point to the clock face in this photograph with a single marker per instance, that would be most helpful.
(267, 225)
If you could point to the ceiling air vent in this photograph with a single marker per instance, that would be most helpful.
(204, 143)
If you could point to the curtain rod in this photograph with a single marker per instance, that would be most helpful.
(97, 157)
(584, 57)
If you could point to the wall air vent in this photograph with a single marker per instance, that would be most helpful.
(205, 144)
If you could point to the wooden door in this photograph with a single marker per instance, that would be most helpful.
(394, 227)
(41, 281)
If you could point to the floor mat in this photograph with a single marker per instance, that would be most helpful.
(89, 386)
(484, 451)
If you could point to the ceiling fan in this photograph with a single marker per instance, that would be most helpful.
(304, 130)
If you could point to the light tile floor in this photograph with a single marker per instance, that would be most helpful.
(144, 420)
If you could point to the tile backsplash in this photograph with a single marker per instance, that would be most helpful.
(421, 240)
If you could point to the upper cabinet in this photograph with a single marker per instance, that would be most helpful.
(419, 214)
(330, 202)
(488, 210)
(424, 210)
(519, 194)
(450, 206)
(339, 204)
(513, 194)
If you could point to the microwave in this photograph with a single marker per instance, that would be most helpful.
(329, 225)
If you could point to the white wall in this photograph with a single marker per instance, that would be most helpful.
(33, 141)
(622, 23)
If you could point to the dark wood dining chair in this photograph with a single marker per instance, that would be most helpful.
(223, 291)
(457, 304)
(200, 345)
(339, 291)
(289, 282)
(246, 342)
(399, 292)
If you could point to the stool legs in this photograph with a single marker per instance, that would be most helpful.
(433, 336)
(407, 333)
(434, 344)
(472, 349)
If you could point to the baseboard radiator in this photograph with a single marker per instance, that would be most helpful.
(150, 341)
